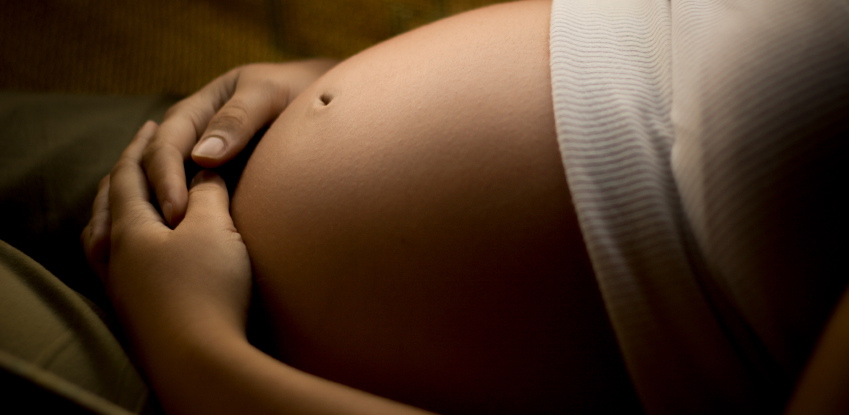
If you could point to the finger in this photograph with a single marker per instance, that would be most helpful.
(209, 202)
(100, 268)
(95, 237)
(97, 245)
(128, 190)
(184, 123)
(163, 166)
(256, 102)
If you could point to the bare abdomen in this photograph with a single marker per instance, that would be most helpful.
(411, 230)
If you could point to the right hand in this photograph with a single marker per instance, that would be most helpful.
(214, 124)
(164, 280)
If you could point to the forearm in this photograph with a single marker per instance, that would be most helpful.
(182, 294)
(207, 366)
(822, 387)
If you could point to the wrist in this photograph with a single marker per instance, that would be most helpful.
(166, 327)
(188, 367)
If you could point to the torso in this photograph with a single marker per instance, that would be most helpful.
(414, 237)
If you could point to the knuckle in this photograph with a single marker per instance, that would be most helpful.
(126, 228)
(238, 70)
(200, 188)
(272, 89)
(151, 151)
(254, 72)
(188, 111)
(157, 155)
(103, 183)
(172, 112)
(121, 242)
(122, 164)
(194, 116)
(119, 238)
(178, 108)
(233, 117)
(85, 237)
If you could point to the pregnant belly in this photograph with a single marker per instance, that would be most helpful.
(411, 230)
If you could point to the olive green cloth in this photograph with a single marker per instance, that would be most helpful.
(56, 350)
(56, 353)
(54, 149)
(55, 320)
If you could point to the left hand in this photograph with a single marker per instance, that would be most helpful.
(214, 124)
(157, 277)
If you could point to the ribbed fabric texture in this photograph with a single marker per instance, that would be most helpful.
(656, 102)
(761, 116)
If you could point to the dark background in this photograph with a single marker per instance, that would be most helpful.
(176, 46)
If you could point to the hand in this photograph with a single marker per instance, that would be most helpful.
(157, 277)
(233, 108)
(216, 123)
(183, 295)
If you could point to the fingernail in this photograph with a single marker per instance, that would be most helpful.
(210, 147)
(201, 176)
(167, 210)
(197, 178)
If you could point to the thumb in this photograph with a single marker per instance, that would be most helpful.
(252, 106)
(208, 199)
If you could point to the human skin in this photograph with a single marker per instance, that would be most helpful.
(411, 231)
(409, 228)
(185, 311)
(443, 294)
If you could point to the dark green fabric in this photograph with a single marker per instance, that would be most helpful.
(55, 351)
(54, 149)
